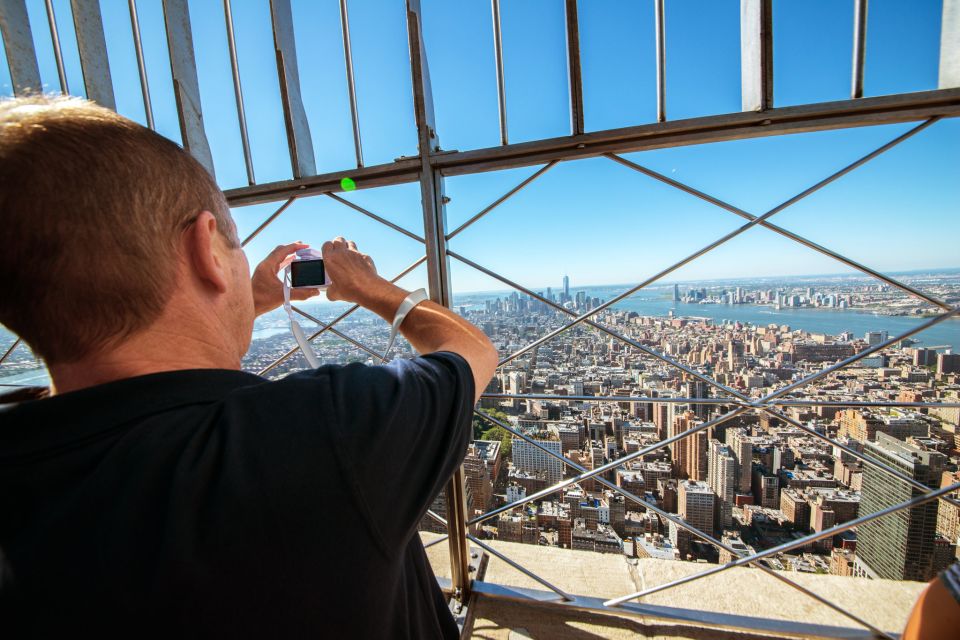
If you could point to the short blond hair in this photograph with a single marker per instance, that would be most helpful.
(92, 208)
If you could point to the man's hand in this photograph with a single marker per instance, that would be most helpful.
(267, 286)
(353, 274)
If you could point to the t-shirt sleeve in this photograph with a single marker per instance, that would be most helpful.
(402, 429)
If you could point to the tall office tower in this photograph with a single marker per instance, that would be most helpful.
(923, 357)
(679, 420)
(527, 457)
(481, 467)
(694, 388)
(676, 293)
(742, 449)
(721, 476)
(566, 287)
(735, 353)
(696, 504)
(899, 546)
(695, 455)
(875, 337)
(663, 416)
(948, 363)
(550, 294)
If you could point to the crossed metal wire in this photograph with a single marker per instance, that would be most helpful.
(769, 403)
(744, 403)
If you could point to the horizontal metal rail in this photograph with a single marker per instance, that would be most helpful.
(547, 604)
(666, 399)
(907, 107)
(712, 400)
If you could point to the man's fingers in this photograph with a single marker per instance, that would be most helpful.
(351, 245)
(303, 294)
(284, 250)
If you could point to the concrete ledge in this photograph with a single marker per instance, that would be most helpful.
(739, 591)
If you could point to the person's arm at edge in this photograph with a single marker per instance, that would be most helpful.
(429, 327)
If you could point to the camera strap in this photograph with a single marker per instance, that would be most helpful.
(411, 301)
(295, 327)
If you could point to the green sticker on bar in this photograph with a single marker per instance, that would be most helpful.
(347, 184)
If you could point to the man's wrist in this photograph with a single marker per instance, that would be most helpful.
(382, 297)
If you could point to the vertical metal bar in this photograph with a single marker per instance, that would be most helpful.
(498, 56)
(573, 68)
(661, 62)
(351, 85)
(18, 45)
(859, 46)
(186, 85)
(93, 52)
(141, 66)
(238, 91)
(294, 115)
(57, 51)
(438, 270)
(949, 76)
(756, 55)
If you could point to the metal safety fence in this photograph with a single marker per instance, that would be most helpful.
(758, 118)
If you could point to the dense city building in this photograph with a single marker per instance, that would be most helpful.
(901, 547)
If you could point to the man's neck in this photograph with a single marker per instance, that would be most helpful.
(152, 351)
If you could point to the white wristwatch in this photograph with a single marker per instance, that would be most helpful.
(411, 301)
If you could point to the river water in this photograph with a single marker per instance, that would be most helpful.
(828, 321)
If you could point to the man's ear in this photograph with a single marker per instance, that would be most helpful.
(202, 252)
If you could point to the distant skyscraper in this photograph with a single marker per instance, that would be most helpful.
(742, 449)
(527, 457)
(676, 293)
(721, 476)
(899, 546)
(566, 287)
(875, 337)
(695, 503)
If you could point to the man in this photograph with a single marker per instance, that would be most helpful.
(161, 491)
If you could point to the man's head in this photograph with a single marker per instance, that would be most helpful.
(104, 223)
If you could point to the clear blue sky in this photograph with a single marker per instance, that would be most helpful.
(592, 219)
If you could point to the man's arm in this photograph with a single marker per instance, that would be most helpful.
(429, 327)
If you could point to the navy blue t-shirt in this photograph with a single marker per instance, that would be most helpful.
(213, 503)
